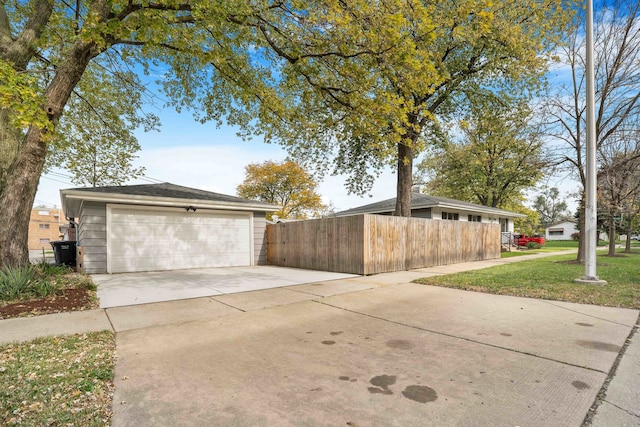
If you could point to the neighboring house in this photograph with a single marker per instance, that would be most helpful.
(165, 227)
(561, 230)
(432, 207)
(45, 226)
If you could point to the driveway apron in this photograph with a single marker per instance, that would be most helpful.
(394, 355)
(124, 289)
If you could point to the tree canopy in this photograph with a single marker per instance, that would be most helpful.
(494, 154)
(47, 49)
(285, 184)
(550, 206)
(350, 87)
(95, 139)
(347, 86)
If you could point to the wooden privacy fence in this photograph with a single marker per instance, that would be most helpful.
(370, 244)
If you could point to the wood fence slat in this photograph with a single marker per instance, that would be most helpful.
(371, 244)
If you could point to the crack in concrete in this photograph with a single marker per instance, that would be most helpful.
(213, 298)
(633, 414)
(600, 397)
(106, 313)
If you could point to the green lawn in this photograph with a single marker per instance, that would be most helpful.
(550, 246)
(552, 278)
(555, 246)
(58, 381)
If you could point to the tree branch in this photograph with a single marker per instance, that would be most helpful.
(23, 48)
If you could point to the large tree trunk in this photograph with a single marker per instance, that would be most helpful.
(18, 50)
(9, 144)
(405, 180)
(16, 199)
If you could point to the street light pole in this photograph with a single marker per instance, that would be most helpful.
(590, 276)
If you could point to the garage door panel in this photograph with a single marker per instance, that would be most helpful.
(148, 240)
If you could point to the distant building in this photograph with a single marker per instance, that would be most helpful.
(45, 226)
(561, 230)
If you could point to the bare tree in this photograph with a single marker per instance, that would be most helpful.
(619, 186)
(617, 78)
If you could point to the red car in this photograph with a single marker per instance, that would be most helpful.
(523, 239)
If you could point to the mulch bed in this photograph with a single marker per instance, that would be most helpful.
(67, 300)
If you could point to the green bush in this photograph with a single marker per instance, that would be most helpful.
(533, 245)
(46, 269)
(44, 288)
(15, 282)
(30, 281)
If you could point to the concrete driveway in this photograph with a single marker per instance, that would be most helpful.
(364, 351)
(123, 289)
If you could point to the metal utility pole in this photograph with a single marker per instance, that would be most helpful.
(590, 276)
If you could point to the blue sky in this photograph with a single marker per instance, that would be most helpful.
(186, 152)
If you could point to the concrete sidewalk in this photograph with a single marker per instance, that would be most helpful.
(374, 350)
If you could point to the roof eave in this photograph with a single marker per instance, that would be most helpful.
(481, 209)
(488, 211)
(71, 209)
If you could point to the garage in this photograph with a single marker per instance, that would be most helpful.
(157, 227)
(148, 239)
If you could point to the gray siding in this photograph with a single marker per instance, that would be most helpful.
(92, 236)
(421, 213)
(259, 238)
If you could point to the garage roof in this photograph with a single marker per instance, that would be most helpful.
(164, 194)
(424, 201)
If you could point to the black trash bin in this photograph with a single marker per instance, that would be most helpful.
(64, 252)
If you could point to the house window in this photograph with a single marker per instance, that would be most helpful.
(44, 226)
(556, 232)
(43, 213)
(450, 216)
(475, 218)
(44, 241)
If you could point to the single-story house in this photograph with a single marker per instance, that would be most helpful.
(164, 227)
(432, 207)
(561, 230)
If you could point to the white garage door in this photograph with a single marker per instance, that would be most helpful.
(153, 239)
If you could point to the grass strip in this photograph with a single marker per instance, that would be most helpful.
(552, 278)
(58, 381)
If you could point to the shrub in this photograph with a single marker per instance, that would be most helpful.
(39, 281)
(575, 236)
(533, 245)
(30, 281)
(46, 269)
(16, 281)
(44, 288)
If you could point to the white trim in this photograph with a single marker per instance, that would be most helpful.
(251, 241)
(109, 237)
(70, 196)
